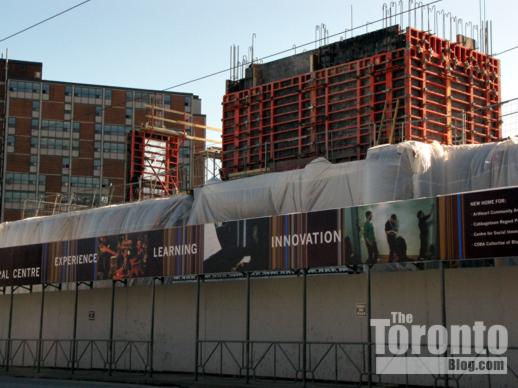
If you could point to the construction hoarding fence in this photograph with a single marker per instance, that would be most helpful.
(461, 226)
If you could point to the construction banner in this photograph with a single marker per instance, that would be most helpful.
(473, 225)
(20, 265)
(480, 224)
(168, 252)
(387, 232)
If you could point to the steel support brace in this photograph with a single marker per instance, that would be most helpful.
(304, 323)
(9, 330)
(74, 333)
(369, 332)
(152, 328)
(40, 335)
(247, 350)
(197, 329)
(443, 313)
(110, 350)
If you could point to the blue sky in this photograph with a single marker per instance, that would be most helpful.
(159, 43)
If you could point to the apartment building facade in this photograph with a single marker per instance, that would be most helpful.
(71, 143)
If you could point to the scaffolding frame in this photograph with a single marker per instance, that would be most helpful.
(209, 164)
(154, 156)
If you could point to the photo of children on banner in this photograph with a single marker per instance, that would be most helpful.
(237, 246)
(409, 232)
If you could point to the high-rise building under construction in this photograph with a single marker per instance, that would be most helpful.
(339, 99)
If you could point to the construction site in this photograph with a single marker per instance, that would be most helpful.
(359, 179)
(340, 99)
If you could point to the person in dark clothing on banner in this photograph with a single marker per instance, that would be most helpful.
(391, 230)
(424, 232)
(370, 239)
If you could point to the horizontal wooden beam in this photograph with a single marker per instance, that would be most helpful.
(183, 113)
(172, 132)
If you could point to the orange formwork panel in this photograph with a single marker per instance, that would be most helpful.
(430, 89)
(454, 92)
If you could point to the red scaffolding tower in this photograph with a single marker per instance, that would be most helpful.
(155, 160)
(154, 164)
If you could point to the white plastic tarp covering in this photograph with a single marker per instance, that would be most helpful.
(390, 172)
(319, 186)
(126, 218)
(436, 169)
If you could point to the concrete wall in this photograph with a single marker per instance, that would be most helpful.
(332, 54)
(486, 294)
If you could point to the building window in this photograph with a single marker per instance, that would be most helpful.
(185, 152)
(57, 139)
(35, 106)
(129, 113)
(167, 100)
(24, 86)
(66, 162)
(45, 88)
(114, 129)
(10, 140)
(87, 92)
(68, 90)
(11, 122)
(15, 199)
(143, 97)
(53, 125)
(20, 178)
(34, 160)
(107, 94)
(86, 182)
(98, 111)
(114, 147)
